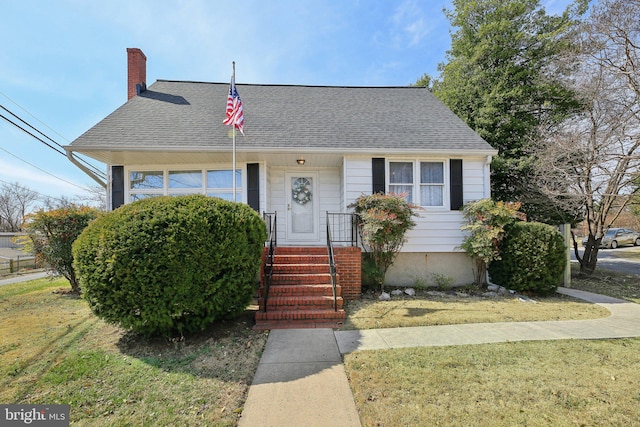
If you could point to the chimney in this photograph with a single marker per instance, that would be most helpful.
(137, 72)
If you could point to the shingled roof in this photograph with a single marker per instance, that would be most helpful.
(188, 115)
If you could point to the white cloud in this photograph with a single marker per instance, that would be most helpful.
(36, 180)
(410, 23)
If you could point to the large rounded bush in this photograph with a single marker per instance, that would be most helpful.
(170, 265)
(532, 259)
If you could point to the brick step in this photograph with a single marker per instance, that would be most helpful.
(298, 302)
(300, 269)
(277, 290)
(301, 259)
(301, 250)
(302, 279)
(315, 315)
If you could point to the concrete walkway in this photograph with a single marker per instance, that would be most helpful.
(23, 277)
(300, 379)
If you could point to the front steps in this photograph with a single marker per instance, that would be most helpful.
(301, 293)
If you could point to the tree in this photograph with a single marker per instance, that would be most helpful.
(591, 160)
(51, 234)
(384, 219)
(497, 79)
(15, 201)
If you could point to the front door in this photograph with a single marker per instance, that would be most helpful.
(302, 207)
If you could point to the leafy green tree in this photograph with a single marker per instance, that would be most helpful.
(486, 222)
(51, 235)
(498, 79)
(384, 220)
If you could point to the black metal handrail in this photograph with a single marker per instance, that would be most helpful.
(332, 264)
(343, 227)
(272, 242)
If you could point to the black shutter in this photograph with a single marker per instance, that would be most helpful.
(378, 175)
(455, 184)
(117, 186)
(253, 186)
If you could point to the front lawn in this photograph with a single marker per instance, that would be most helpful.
(546, 383)
(449, 308)
(549, 383)
(54, 351)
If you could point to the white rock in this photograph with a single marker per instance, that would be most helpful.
(396, 292)
(462, 294)
(410, 291)
(384, 297)
(493, 288)
(525, 299)
(503, 291)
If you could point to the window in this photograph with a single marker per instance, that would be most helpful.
(146, 180)
(422, 183)
(215, 183)
(401, 179)
(185, 179)
(431, 184)
(220, 184)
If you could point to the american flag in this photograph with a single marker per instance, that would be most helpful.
(235, 117)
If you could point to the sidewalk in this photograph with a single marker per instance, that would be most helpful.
(23, 278)
(301, 380)
(624, 322)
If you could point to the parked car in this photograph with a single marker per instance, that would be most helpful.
(615, 237)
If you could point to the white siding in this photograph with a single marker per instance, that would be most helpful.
(357, 178)
(437, 229)
(473, 178)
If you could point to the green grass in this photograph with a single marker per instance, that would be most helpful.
(546, 383)
(450, 309)
(54, 351)
(566, 383)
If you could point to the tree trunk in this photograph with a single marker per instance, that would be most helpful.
(479, 272)
(590, 257)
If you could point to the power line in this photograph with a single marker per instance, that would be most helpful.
(37, 119)
(92, 167)
(42, 170)
(60, 151)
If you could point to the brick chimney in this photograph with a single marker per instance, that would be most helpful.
(137, 72)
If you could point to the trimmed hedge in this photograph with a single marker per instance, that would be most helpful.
(532, 259)
(170, 265)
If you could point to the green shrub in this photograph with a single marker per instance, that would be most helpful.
(51, 234)
(486, 222)
(170, 265)
(532, 259)
(384, 219)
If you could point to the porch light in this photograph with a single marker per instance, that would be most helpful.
(301, 161)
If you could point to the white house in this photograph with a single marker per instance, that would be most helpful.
(307, 150)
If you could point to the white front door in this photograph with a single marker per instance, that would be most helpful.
(302, 206)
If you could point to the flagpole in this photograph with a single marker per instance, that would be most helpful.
(233, 171)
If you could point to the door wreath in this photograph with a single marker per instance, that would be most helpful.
(300, 191)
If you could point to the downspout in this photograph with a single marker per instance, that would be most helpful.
(487, 179)
(85, 169)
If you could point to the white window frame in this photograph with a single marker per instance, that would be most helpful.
(417, 185)
(130, 193)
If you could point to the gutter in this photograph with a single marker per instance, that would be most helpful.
(84, 169)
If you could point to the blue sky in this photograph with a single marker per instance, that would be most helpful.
(63, 62)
